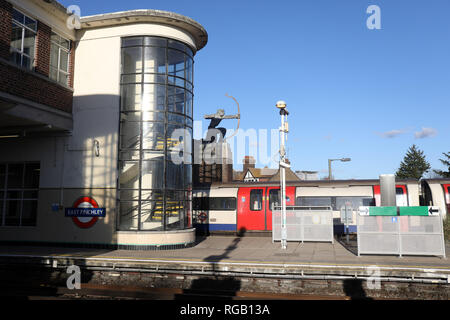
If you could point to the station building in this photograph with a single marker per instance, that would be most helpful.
(86, 120)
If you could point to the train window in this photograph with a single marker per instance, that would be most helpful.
(200, 203)
(401, 197)
(274, 198)
(256, 200)
(355, 202)
(314, 201)
(215, 203)
(222, 204)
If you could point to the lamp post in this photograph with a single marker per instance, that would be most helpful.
(330, 176)
(284, 129)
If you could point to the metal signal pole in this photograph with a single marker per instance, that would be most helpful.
(284, 129)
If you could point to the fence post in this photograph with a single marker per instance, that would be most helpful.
(399, 237)
(302, 225)
(273, 220)
(357, 231)
(441, 224)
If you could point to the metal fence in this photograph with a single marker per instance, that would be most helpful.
(400, 235)
(304, 224)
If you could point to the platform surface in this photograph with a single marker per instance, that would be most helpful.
(246, 250)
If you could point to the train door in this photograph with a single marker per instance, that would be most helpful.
(401, 195)
(273, 197)
(251, 209)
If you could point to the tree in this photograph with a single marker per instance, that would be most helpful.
(444, 174)
(413, 165)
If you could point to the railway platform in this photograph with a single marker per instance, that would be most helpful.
(246, 263)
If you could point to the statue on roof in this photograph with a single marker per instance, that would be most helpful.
(216, 119)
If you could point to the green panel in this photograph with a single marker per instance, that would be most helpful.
(414, 211)
(382, 211)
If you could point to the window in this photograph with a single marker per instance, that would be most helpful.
(447, 198)
(274, 198)
(214, 203)
(401, 198)
(223, 204)
(448, 195)
(336, 203)
(23, 40)
(314, 201)
(354, 202)
(19, 187)
(256, 200)
(156, 101)
(59, 59)
(199, 203)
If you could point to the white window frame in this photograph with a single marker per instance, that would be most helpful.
(58, 68)
(24, 27)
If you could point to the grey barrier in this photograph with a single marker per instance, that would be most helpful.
(304, 224)
(400, 235)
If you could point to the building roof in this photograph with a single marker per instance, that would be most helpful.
(290, 176)
(269, 174)
(56, 5)
(261, 173)
(306, 171)
(187, 24)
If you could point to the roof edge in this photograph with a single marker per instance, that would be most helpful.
(195, 29)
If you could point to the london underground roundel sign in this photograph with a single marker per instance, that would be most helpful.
(85, 212)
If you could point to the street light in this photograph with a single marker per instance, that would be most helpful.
(330, 176)
(284, 129)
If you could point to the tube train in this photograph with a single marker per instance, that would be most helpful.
(237, 207)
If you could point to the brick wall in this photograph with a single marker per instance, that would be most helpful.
(36, 88)
(27, 84)
(5, 28)
(44, 33)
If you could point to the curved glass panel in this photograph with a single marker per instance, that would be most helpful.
(155, 156)
(131, 60)
(155, 60)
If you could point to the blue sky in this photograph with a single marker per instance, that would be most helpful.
(351, 91)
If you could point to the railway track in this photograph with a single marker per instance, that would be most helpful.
(107, 292)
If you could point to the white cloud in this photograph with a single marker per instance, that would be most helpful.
(391, 134)
(425, 133)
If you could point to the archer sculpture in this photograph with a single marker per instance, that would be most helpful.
(215, 121)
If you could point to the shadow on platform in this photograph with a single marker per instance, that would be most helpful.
(213, 286)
